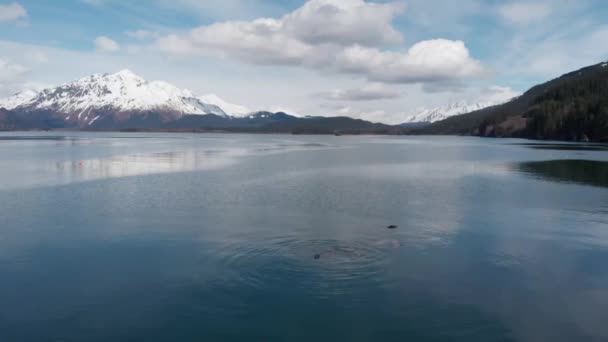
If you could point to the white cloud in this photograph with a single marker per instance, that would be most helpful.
(253, 42)
(427, 61)
(36, 57)
(568, 49)
(106, 44)
(497, 94)
(304, 38)
(369, 92)
(11, 75)
(444, 86)
(524, 13)
(35, 86)
(12, 12)
(10, 71)
(343, 22)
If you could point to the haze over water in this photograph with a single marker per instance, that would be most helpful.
(177, 237)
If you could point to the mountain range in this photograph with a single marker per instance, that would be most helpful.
(104, 100)
(429, 116)
(572, 107)
(125, 101)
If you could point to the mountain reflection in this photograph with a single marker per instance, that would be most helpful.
(130, 165)
(166, 162)
(564, 146)
(588, 172)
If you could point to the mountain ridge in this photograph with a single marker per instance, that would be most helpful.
(126, 101)
(429, 116)
(84, 101)
(572, 107)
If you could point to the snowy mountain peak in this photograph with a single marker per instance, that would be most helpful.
(446, 111)
(97, 95)
(128, 74)
(18, 99)
(230, 108)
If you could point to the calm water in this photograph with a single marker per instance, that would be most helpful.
(160, 237)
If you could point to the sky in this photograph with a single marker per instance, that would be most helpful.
(377, 60)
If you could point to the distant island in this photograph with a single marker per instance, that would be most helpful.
(573, 107)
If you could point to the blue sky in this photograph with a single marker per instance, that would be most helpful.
(379, 60)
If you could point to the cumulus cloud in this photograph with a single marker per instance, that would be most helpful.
(344, 22)
(524, 13)
(427, 61)
(12, 12)
(353, 43)
(369, 92)
(106, 44)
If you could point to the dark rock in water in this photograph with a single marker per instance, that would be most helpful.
(392, 226)
(317, 256)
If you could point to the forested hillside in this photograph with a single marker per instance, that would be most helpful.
(572, 107)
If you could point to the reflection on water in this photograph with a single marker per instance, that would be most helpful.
(565, 147)
(131, 165)
(281, 238)
(42, 137)
(90, 157)
(36, 138)
(587, 172)
(165, 162)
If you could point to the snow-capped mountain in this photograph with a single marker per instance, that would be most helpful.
(120, 95)
(425, 115)
(231, 109)
(18, 99)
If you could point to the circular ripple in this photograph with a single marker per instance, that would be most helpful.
(326, 267)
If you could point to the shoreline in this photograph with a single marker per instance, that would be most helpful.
(362, 133)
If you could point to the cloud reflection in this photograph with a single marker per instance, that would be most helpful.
(142, 164)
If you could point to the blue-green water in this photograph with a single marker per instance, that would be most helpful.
(165, 237)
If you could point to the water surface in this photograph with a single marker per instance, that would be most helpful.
(178, 237)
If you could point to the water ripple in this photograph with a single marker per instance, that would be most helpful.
(323, 266)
